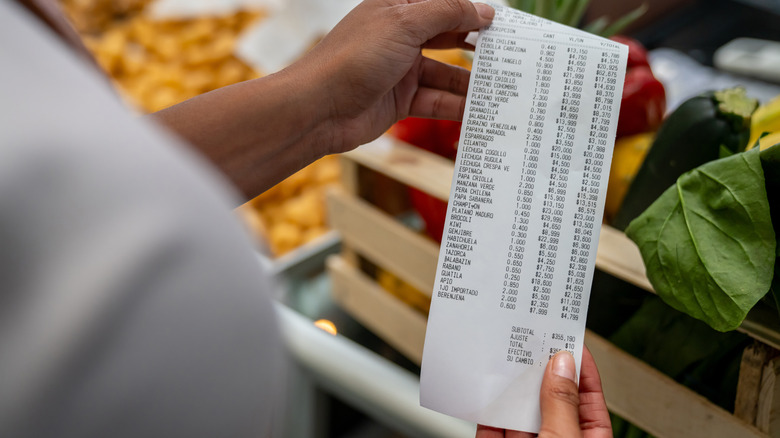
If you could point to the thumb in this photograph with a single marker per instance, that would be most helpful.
(429, 18)
(560, 398)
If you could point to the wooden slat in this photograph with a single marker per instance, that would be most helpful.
(380, 312)
(383, 240)
(351, 183)
(407, 164)
(656, 403)
(768, 412)
(751, 369)
(617, 255)
(349, 175)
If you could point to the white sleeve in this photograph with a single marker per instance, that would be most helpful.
(132, 304)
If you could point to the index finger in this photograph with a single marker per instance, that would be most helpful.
(594, 416)
(492, 432)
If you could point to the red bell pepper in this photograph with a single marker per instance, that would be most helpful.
(441, 138)
(643, 104)
(437, 136)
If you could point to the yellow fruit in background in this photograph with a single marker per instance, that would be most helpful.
(765, 119)
(627, 158)
(449, 56)
(285, 237)
(306, 210)
(769, 140)
(313, 233)
(403, 291)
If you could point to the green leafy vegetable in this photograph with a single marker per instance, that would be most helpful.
(708, 243)
(570, 12)
(624, 21)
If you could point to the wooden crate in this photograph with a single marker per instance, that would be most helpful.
(633, 389)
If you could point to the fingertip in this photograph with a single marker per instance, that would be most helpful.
(563, 365)
(485, 11)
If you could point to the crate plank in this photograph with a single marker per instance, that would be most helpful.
(751, 369)
(768, 410)
(383, 240)
(656, 403)
(380, 312)
(350, 180)
(407, 164)
(618, 256)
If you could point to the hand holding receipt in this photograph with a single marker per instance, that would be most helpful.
(518, 253)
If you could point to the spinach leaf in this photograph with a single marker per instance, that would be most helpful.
(708, 243)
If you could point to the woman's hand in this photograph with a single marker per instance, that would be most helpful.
(366, 74)
(566, 411)
(374, 74)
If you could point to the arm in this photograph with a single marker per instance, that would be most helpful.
(363, 77)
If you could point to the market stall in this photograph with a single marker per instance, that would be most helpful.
(671, 366)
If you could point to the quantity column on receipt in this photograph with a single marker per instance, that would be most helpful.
(519, 248)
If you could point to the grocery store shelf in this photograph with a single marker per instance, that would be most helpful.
(366, 381)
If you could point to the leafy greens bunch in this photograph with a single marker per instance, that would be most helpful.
(709, 241)
(570, 13)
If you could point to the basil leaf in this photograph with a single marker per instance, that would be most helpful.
(708, 243)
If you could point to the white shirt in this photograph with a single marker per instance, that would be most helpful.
(131, 301)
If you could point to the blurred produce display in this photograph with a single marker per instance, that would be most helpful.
(292, 213)
(158, 63)
(93, 17)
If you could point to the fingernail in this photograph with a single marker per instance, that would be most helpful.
(485, 11)
(563, 365)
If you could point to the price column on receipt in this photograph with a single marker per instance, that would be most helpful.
(525, 209)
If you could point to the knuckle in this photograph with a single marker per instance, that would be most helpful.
(460, 82)
(455, 82)
(399, 16)
(456, 10)
(437, 106)
(406, 26)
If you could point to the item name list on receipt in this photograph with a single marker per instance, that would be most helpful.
(524, 215)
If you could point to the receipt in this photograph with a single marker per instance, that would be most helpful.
(519, 247)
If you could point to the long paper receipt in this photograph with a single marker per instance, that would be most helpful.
(519, 247)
